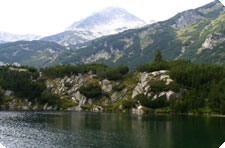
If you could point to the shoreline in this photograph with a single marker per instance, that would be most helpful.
(121, 112)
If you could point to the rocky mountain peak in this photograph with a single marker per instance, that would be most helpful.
(107, 21)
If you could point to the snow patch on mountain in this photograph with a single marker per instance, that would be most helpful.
(108, 21)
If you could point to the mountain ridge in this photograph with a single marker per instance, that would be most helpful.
(108, 21)
(197, 35)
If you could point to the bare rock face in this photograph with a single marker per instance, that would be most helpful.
(187, 18)
(106, 86)
(211, 41)
(144, 87)
(8, 93)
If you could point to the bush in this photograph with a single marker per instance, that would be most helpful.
(158, 86)
(118, 88)
(217, 97)
(68, 84)
(174, 87)
(61, 71)
(150, 103)
(144, 100)
(128, 104)
(91, 90)
(22, 83)
(86, 107)
(163, 65)
(65, 103)
(1, 97)
(114, 73)
(50, 98)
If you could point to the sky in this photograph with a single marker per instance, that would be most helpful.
(47, 17)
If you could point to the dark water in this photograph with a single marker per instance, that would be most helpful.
(103, 130)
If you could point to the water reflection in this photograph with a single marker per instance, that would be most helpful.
(104, 130)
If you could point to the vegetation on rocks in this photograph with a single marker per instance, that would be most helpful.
(180, 87)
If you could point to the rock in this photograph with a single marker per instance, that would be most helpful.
(45, 106)
(124, 92)
(137, 110)
(144, 84)
(114, 97)
(8, 93)
(24, 107)
(169, 94)
(156, 73)
(162, 94)
(162, 77)
(49, 108)
(73, 90)
(90, 101)
(105, 102)
(139, 89)
(97, 108)
(144, 77)
(79, 97)
(35, 107)
(168, 81)
(163, 71)
(68, 80)
(106, 86)
(134, 94)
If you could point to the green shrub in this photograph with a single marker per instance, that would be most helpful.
(50, 98)
(118, 88)
(68, 84)
(143, 99)
(86, 107)
(152, 103)
(65, 103)
(158, 86)
(217, 97)
(163, 65)
(91, 90)
(173, 86)
(128, 104)
(24, 84)
(114, 73)
(1, 97)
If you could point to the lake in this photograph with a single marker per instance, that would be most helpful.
(109, 130)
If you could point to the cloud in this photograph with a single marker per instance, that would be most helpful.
(223, 2)
(1, 146)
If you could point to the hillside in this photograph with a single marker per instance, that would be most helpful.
(197, 35)
(33, 53)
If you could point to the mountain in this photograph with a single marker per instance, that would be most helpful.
(108, 21)
(197, 35)
(9, 37)
(32, 53)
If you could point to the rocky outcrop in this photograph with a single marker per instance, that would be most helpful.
(106, 86)
(144, 87)
(211, 41)
(114, 93)
(187, 18)
(94, 57)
